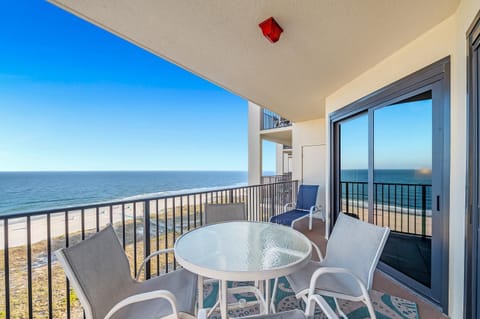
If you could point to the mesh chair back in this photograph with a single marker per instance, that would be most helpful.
(99, 268)
(356, 246)
(218, 213)
(307, 196)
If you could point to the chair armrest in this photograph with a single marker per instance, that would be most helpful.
(320, 301)
(315, 208)
(317, 250)
(202, 314)
(158, 252)
(286, 206)
(156, 294)
(335, 270)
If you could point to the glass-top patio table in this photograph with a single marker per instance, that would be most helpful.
(242, 251)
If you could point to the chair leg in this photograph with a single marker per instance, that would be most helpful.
(339, 310)
(369, 304)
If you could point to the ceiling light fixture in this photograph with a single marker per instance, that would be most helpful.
(271, 29)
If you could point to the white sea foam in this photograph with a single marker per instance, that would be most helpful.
(185, 191)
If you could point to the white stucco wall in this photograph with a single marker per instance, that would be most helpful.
(279, 159)
(308, 155)
(446, 39)
(254, 145)
(303, 134)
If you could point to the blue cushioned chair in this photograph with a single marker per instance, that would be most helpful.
(305, 207)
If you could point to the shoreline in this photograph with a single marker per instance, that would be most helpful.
(17, 226)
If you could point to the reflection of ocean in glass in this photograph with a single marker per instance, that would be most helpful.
(357, 180)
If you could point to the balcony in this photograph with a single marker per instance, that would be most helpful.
(32, 283)
(270, 179)
(271, 120)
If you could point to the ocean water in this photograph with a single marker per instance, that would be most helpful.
(31, 191)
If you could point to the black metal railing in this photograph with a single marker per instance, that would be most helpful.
(272, 120)
(32, 283)
(405, 208)
(270, 179)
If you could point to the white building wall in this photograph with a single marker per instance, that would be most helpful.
(254, 145)
(446, 39)
(308, 133)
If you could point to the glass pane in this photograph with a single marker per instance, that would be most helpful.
(403, 184)
(354, 167)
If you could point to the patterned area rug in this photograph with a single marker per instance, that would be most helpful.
(386, 306)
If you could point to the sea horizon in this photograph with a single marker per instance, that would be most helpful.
(29, 191)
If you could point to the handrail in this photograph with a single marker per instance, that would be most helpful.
(120, 202)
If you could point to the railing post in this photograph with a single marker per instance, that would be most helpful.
(231, 196)
(424, 210)
(346, 196)
(272, 199)
(146, 235)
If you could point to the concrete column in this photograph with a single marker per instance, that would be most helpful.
(279, 169)
(254, 144)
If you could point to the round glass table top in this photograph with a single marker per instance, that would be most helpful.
(243, 250)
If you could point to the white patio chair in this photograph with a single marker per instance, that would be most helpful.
(347, 270)
(99, 272)
(219, 213)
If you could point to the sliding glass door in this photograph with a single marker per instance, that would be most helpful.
(402, 181)
(390, 167)
(354, 166)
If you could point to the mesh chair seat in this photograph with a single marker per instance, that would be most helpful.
(353, 251)
(219, 213)
(181, 283)
(333, 283)
(100, 274)
(287, 218)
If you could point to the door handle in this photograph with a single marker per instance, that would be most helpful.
(438, 203)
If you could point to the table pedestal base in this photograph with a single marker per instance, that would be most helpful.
(266, 303)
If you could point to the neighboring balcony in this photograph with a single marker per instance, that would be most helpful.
(271, 120)
(275, 128)
(269, 179)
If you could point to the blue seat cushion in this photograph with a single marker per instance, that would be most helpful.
(307, 196)
(288, 217)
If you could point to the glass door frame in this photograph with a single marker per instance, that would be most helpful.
(436, 78)
(472, 218)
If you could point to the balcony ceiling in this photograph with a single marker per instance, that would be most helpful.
(281, 135)
(325, 44)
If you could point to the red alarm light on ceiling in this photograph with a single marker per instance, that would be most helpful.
(271, 29)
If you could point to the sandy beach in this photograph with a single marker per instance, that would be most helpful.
(17, 227)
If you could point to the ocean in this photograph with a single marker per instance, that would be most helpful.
(32, 191)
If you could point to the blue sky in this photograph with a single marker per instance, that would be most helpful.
(74, 97)
(402, 138)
